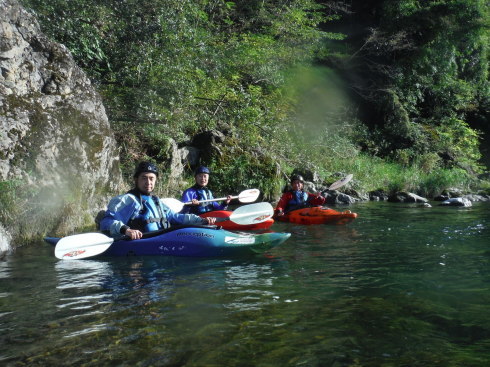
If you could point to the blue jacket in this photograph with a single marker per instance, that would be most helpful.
(143, 212)
(200, 193)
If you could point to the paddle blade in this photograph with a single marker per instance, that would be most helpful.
(253, 213)
(81, 246)
(249, 196)
(341, 182)
(174, 204)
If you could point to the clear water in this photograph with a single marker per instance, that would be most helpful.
(400, 286)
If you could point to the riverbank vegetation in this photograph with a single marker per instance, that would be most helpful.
(396, 92)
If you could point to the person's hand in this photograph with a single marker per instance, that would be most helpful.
(195, 202)
(134, 234)
(280, 213)
(228, 199)
(211, 220)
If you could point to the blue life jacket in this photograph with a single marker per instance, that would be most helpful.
(203, 193)
(298, 201)
(150, 216)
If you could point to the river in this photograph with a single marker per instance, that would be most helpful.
(402, 285)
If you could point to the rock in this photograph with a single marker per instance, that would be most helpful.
(406, 197)
(308, 175)
(378, 195)
(457, 202)
(475, 197)
(337, 198)
(180, 158)
(358, 195)
(453, 192)
(208, 143)
(55, 135)
(189, 156)
(309, 187)
(5, 239)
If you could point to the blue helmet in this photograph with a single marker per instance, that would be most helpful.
(145, 167)
(202, 169)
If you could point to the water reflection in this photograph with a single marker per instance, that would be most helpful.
(82, 273)
(369, 293)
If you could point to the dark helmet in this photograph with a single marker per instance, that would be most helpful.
(202, 169)
(145, 167)
(297, 177)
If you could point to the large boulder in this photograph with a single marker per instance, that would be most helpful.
(55, 135)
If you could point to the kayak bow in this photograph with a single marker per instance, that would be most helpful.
(318, 215)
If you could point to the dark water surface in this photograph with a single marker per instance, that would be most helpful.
(400, 286)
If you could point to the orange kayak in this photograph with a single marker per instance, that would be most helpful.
(318, 215)
(232, 226)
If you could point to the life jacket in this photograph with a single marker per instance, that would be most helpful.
(203, 193)
(298, 201)
(150, 215)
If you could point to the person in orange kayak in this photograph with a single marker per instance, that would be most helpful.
(297, 198)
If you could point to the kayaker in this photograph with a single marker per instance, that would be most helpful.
(200, 192)
(138, 211)
(297, 197)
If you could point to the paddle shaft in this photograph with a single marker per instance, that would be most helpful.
(246, 196)
(209, 200)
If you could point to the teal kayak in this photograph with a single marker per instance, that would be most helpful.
(192, 241)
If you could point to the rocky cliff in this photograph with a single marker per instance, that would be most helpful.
(57, 151)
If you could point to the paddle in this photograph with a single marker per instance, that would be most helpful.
(339, 183)
(247, 196)
(81, 246)
(250, 214)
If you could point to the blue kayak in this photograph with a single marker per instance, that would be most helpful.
(199, 241)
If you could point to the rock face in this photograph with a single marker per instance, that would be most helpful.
(55, 135)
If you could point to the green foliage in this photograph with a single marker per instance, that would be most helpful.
(433, 184)
(184, 64)
(236, 171)
(374, 173)
(168, 69)
(432, 57)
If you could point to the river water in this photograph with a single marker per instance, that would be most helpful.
(400, 286)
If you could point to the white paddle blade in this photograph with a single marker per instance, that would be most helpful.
(253, 213)
(249, 196)
(174, 204)
(81, 246)
(341, 182)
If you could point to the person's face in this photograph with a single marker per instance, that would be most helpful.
(202, 179)
(297, 185)
(146, 182)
